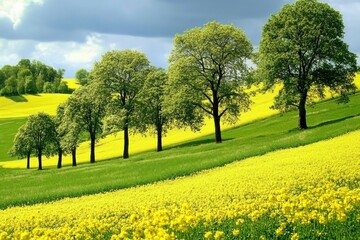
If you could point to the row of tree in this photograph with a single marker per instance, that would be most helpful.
(92, 109)
(31, 77)
(302, 48)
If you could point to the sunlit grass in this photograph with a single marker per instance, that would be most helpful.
(326, 120)
(25, 105)
(112, 146)
(72, 83)
(306, 192)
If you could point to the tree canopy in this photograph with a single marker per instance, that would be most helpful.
(153, 117)
(31, 77)
(22, 145)
(36, 136)
(123, 73)
(83, 76)
(86, 109)
(302, 47)
(208, 72)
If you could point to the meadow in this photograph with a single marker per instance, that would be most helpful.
(110, 147)
(267, 180)
(326, 120)
(308, 192)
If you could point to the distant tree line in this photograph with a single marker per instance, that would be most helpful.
(301, 48)
(31, 77)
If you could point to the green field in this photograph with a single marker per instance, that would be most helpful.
(308, 192)
(9, 127)
(326, 120)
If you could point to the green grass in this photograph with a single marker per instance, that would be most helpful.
(325, 120)
(265, 227)
(8, 130)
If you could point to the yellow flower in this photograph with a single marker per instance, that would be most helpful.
(25, 236)
(240, 221)
(322, 219)
(208, 235)
(279, 231)
(218, 234)
(236, 232)
(294, 236)
(149, 212)
(3, 235)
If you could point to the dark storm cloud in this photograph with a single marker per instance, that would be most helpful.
(73, 20)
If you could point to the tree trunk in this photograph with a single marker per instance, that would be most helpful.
(59, 165)
(73, 154)
(302, 112)
(216, 117)
(92, 148)
(217, 129)
(28, 161)
(159, 137)
(40, 160)
(126, 142)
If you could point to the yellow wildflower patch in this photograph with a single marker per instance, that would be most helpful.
(72, 83)
(313, 184)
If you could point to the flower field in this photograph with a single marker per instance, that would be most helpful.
(308, 192)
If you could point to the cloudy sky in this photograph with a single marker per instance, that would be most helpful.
(73, 34)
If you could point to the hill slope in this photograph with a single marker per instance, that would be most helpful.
(112, 146)
(266, 197)
(326, 120)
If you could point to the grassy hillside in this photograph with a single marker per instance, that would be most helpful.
(9, 127)
(309, 192)
(72, 83)
(112, 146)
(25, 105)
(15, 109)
(326, 120)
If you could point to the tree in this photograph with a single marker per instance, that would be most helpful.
(152, 99)
(60, 132)
(40, 83)
(86, 107)
(20, 86)
(71, 140)
(302, 48)
(2, 79)
(40, 129)
(23, 75)
(48, 87)
(24, 64)
(10, 86)
(123, 73)
(22, 145)
(209, 65)
(83, 76)
(30, 85)
(71, 131)
(63, 88)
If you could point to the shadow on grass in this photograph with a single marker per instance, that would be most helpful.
(322, 124)
(333, 121)
(196, 143)
(17, 98)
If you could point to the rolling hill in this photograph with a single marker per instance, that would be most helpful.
(111, 146)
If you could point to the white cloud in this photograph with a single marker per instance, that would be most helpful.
(73, 55)
(70, 55)
(87, 52)
(10, 51)
(14, 9)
